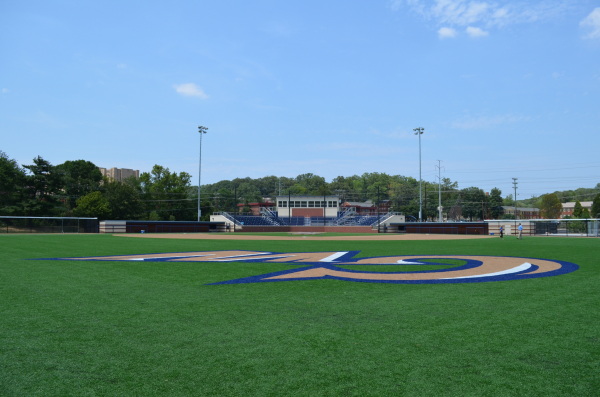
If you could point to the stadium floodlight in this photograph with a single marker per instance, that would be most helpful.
(515, 183)
(202, 130)
(419, 131)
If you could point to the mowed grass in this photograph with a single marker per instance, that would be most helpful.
(75, 328)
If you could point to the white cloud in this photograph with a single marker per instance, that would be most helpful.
(446, 33)
(500, 13)
(592, 24)
(483, 122)
(460, 12)
(190, 89)
(476, 32)
(488, 14)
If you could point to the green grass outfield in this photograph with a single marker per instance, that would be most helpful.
(76, 328)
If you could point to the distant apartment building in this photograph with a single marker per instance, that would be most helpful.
(522, 212)
(567, 208)
(119, 174)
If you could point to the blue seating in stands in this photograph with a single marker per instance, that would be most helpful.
(262, 220)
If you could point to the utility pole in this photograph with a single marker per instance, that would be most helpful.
(439, 167)
(419, 131)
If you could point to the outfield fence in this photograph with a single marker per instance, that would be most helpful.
(160, 227)
(531, 227)
(46, 224)
(548, 227)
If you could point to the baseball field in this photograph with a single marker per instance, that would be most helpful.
(102, 315)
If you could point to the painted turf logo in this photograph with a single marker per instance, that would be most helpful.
(344, 266)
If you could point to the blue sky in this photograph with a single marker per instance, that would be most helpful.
(502, 88)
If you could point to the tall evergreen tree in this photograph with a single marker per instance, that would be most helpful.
(495, 202)
(44, 187)
(595, 212)
(577, 210)
(12, 184)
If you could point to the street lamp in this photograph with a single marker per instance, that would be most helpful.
(419, 131)
(202, 130)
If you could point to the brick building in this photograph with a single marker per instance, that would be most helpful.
(119, 174)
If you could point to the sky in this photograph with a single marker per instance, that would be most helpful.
(503, 89)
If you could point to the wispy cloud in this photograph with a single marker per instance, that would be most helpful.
(591, 23)
(460, 12)
(190, 89)
(479, 16)
(476, 32)
(446, 33)
(483, 122)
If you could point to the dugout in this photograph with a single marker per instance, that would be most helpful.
(480, 228)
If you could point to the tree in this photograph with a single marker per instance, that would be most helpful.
(43, 188)
(248, 193)
(509, 201)
(585, 214)
(124, 199)
(269, 186)
(310, 183)
(225, 200)
(495, 203)
(449, 194)
(79, 178)
(376, 185)
(93, 204)
(166, 193)
(474, 203)
(341, 186)
(595, 212)
(405, 195)
(577, 210)
(12, 183)
(550, 206)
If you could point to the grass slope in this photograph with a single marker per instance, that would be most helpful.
(156, 329)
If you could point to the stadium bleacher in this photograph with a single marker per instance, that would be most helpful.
(266, 220)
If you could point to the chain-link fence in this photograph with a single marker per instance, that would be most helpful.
(25, 224)
(548, 227)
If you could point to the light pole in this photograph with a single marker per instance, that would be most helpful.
(419, 131)
(515, 186)
(439, 167)
(202, 130)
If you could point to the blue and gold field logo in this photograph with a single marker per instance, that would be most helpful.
(345, 265)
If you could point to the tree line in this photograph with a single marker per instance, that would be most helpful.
(400, 193)
(77, 188)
